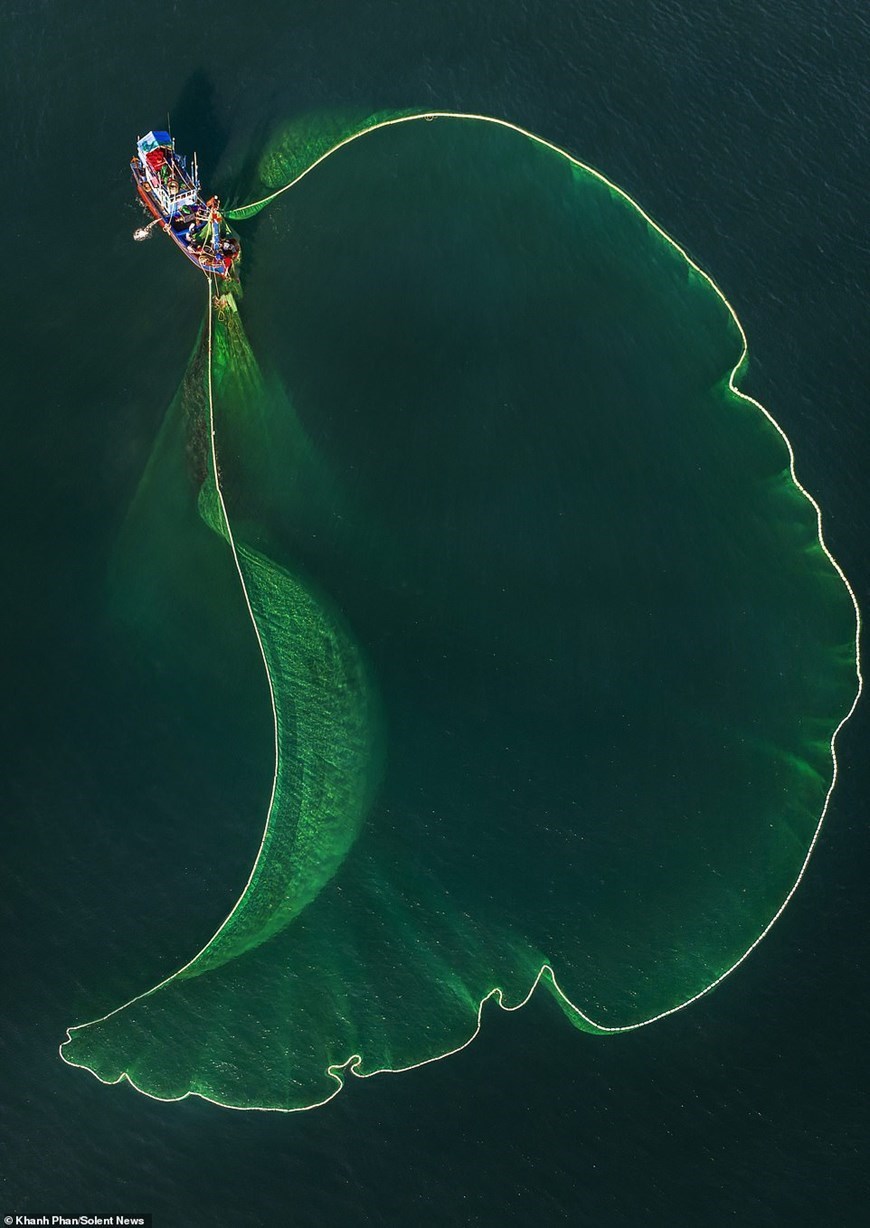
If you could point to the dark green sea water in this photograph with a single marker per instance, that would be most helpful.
(139, 736)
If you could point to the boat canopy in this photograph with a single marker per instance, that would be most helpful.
(154, 140)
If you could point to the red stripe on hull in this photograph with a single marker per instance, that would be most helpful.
(149, 203)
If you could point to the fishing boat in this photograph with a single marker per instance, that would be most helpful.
(170, 191)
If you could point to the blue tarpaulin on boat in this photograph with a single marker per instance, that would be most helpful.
(154, 140)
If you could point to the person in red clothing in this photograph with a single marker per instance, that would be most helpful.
(229, 251)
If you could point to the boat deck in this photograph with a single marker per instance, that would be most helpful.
(180, 228)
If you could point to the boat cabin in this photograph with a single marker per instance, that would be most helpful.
(166, 173)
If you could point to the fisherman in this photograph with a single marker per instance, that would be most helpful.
(229, 249)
